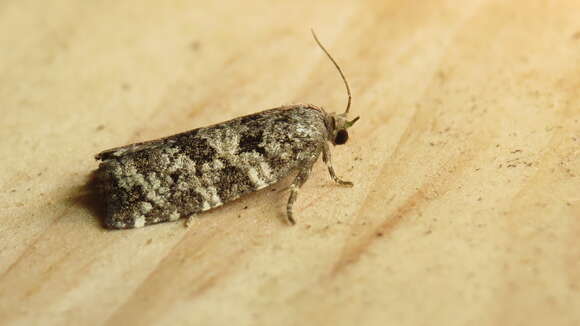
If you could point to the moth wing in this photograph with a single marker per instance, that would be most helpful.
(132, 148)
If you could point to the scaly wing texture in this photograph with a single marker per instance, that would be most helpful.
(188, 173)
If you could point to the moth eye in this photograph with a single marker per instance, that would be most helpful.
(341, 137)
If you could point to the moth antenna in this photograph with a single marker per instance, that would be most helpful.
(337, 67)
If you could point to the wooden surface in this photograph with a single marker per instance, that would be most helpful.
(466, 205)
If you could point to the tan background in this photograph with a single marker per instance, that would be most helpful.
(466, 208)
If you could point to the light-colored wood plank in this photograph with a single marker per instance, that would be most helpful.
(466, 208)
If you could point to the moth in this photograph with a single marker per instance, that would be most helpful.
(191, 172)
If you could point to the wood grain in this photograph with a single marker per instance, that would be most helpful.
(466, 162)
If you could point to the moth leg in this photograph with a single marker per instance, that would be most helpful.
(300, 179)
(326, 157)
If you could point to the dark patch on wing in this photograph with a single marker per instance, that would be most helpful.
(198, 150)
(233, 182)
(174, 177)
(186, 137)
(249, 142)
(250, 118)
(283, 119)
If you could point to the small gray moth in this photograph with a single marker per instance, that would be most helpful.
(188, 173)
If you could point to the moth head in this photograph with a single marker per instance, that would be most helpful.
(339, 125)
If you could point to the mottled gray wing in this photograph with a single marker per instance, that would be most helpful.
(131, 148)
(191, 172)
